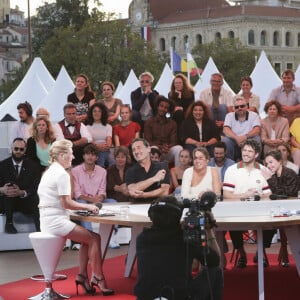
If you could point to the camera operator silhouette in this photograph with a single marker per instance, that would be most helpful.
(164, 259)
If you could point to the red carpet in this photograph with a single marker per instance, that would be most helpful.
(280, 283)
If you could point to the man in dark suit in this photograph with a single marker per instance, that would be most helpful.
(143, 99)
(19, 180)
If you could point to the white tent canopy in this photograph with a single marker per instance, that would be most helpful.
(57, 97)
(264, 79)
(130, 84)
(297, 76)
(164, 82)
(35, 85)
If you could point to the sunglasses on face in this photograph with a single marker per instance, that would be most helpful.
(145, 81)
(240, 106)
(19, 149)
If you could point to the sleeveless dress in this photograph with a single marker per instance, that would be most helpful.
(192, 192)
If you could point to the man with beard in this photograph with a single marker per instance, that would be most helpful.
(19, 180)
(239, 126)
(22, 128)
(244, 180)
(146, 180)
(161, 132)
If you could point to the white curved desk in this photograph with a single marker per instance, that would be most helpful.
(229, 216)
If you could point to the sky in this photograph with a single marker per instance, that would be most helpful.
(117, 6)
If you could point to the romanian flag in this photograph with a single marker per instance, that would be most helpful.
(178, 64)
(146, 33)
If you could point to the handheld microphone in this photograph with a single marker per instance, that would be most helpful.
(277, 196)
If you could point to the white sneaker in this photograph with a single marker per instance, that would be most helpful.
(113, 245)
(76, 247)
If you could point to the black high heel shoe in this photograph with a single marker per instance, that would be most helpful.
(84, 282)
(101, 284)
(283, 257)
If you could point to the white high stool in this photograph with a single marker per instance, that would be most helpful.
(48, 248)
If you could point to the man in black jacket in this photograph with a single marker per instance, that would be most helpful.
(164, 260)
(19, 180)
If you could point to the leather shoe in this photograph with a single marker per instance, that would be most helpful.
(242, 262)
(255, 260)
(10, 228)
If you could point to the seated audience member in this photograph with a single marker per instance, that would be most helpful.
(116, 187)
(200, 178)
(126, 131)
(253, 101)
(101, 133)
(146, 179)
(240, 126)
(155, 154)
(198, 130)
(82, 97)
(38, 145)
(295, 141)
(89, 180)
(19, 180)
(287, 159)
(218, 99)
(242, 180)
(176, 173)
(143, 99)
(112, 104)
(74, 131)
(164, 261)
(43, 112)
(274, 127)
(161, 132)
(288, 95)
(219, 160)
(282, 181)
(182, 95)
(21, 129)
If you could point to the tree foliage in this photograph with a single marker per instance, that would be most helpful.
(230, 56)
(104, 50)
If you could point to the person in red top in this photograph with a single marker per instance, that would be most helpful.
(126, 131)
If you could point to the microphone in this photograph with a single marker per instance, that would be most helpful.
(99, 205)
(277, 196)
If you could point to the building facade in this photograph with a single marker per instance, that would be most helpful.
(269, 25)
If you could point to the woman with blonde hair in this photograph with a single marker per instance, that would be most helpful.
(55, 199)
(38, 145)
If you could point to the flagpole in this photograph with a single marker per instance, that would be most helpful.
(171, 59)
(187, 61)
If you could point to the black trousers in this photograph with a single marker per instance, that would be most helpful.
(237, 238)
(28, 206)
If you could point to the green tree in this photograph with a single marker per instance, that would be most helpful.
(230, 56)
(104, 50)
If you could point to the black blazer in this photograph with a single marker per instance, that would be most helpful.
(29, 175)
(138, 99)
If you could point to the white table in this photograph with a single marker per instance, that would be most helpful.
(230, 215)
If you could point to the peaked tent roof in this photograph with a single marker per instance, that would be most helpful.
(164, 82)
(130, 84)
(119, 87)
(264, 79)
(204, 81)
(297, 76)
(35, 85)
(57, 97)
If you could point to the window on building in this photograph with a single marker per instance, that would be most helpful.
(251, 40)
(185, 41)
(173, 42)
(277, 67)
(276, 38)
(231, 34)
(162, 44)
(199, 39)
(218, 36)
(289, 66)
(288, 39)
(298, 39)
(263, 36)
